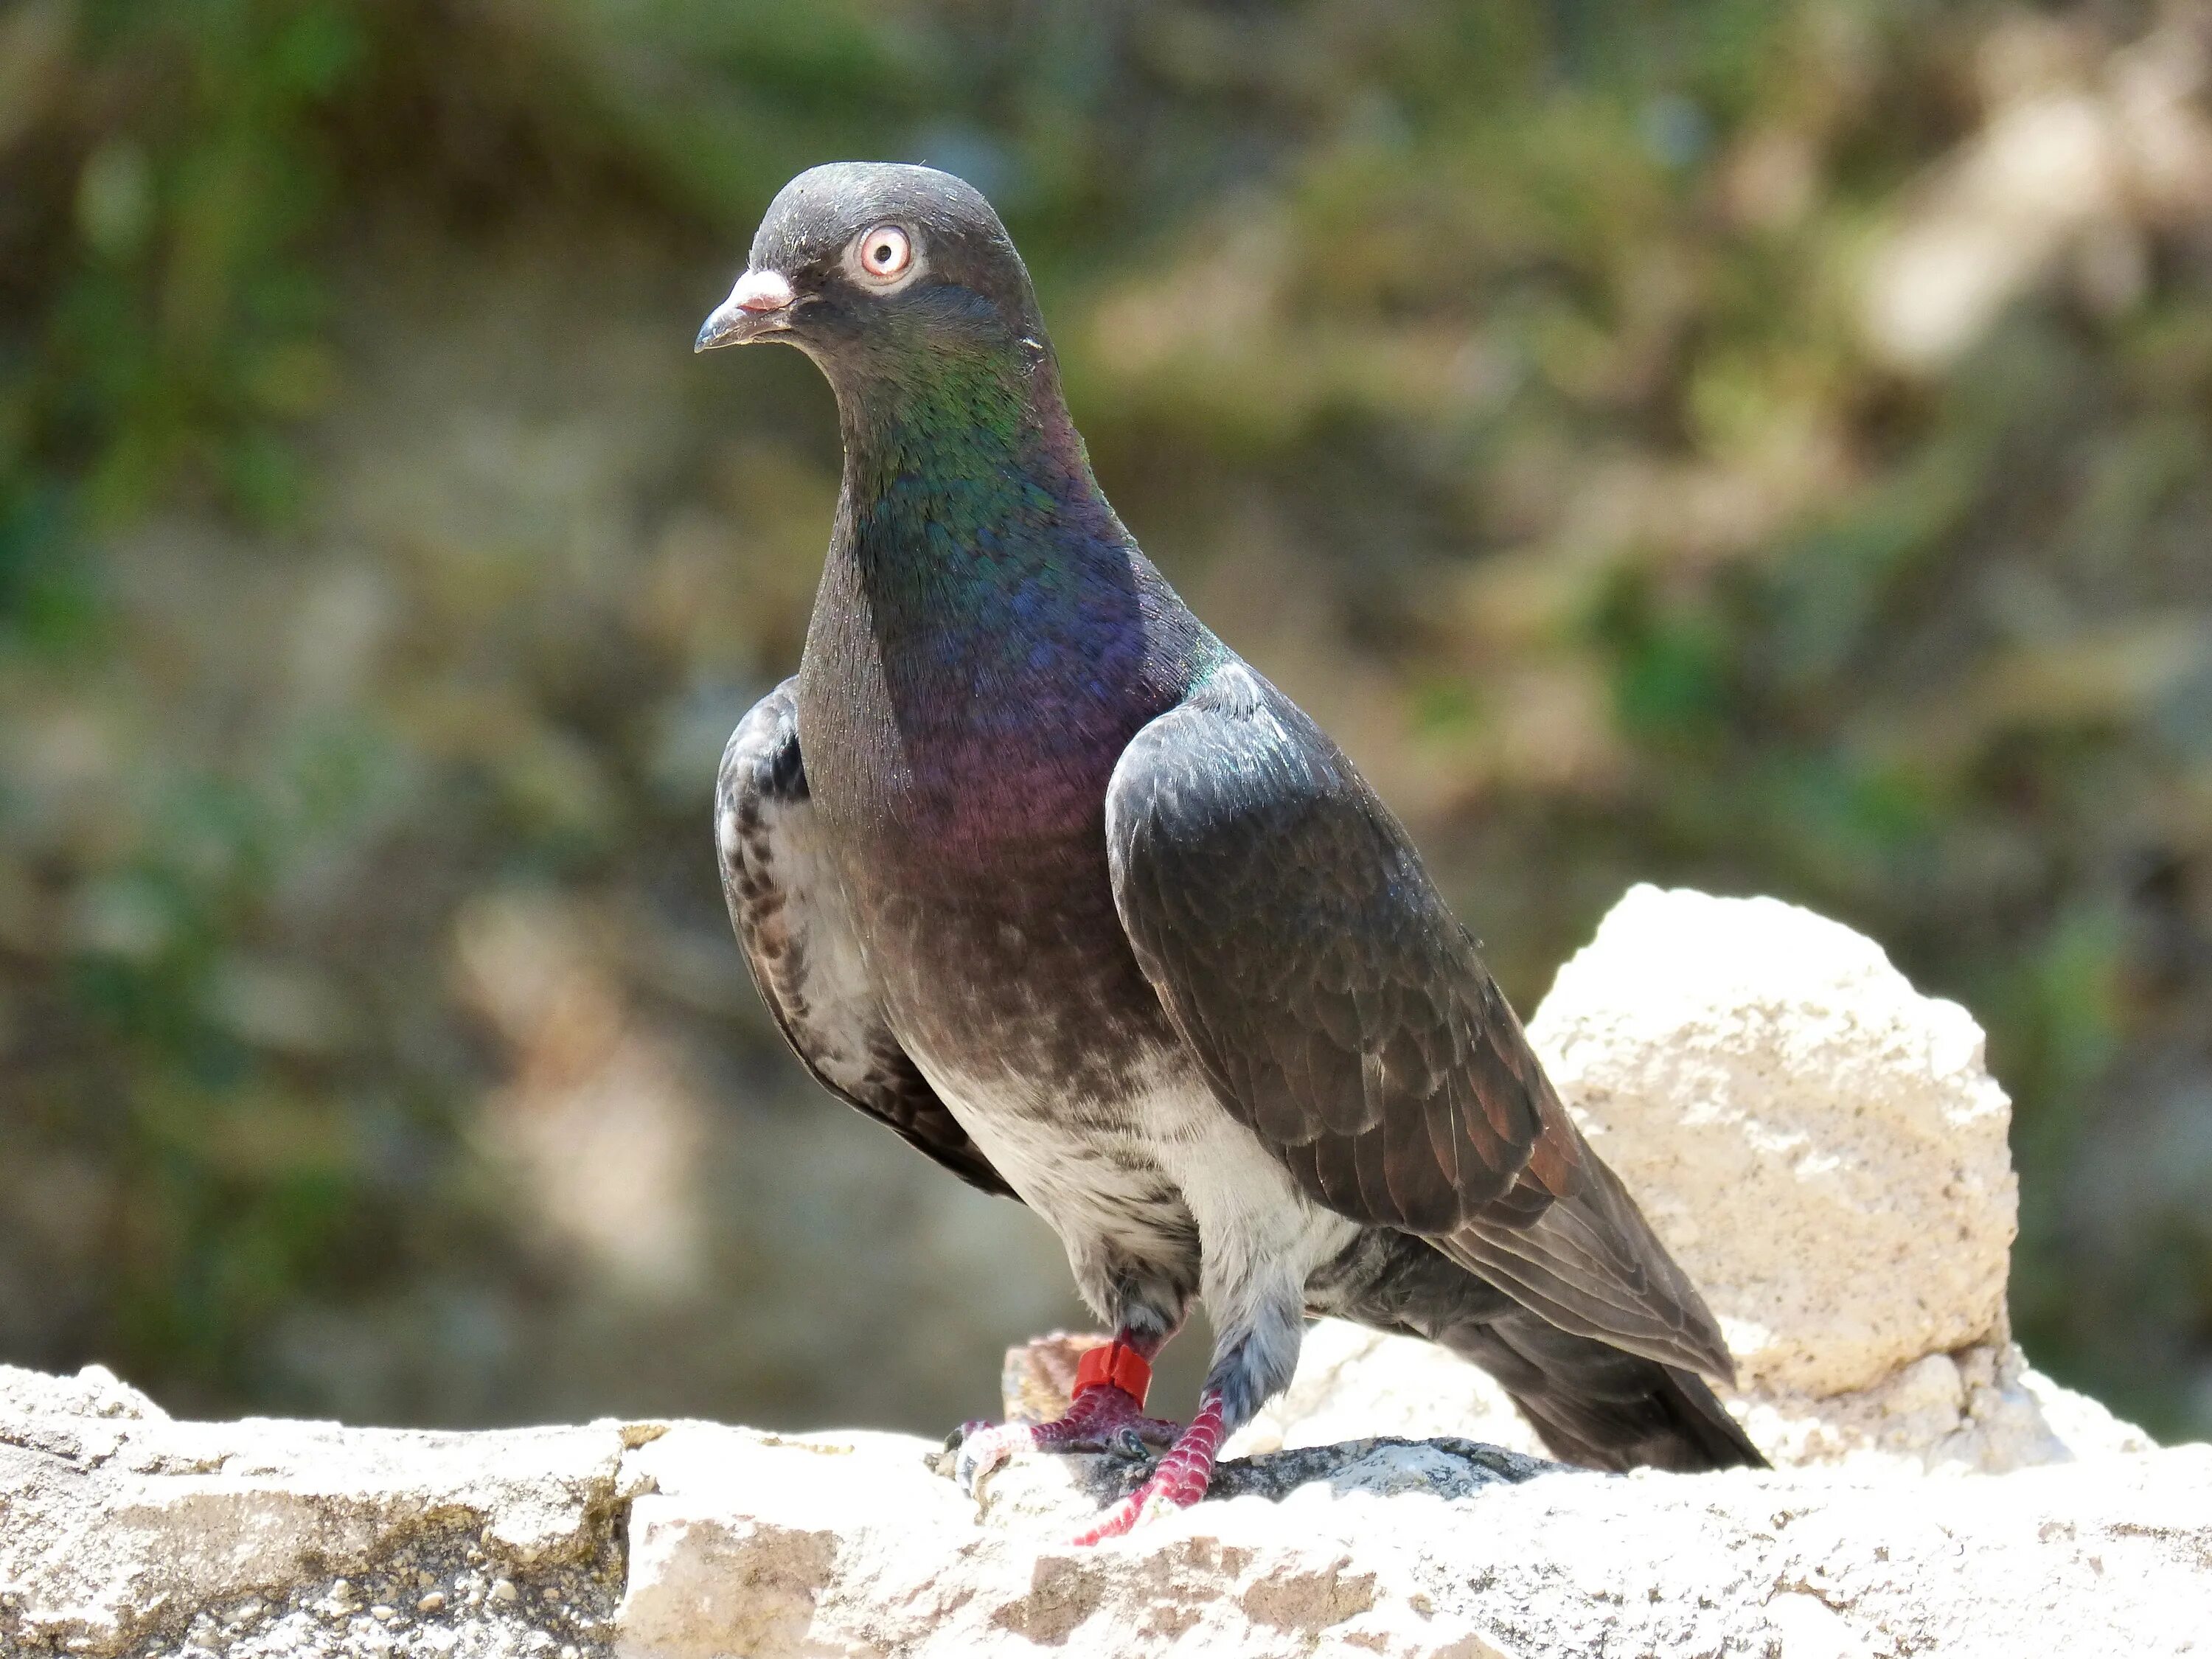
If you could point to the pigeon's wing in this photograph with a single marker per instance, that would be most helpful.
(1340, 1012)
(799, 937)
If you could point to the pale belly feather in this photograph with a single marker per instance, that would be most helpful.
(1162, 1187)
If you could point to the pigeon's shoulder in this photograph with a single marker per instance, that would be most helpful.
(1234, 747)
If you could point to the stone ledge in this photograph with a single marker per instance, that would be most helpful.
(131, 1535)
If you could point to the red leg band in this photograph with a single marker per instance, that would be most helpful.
(1113, 1365)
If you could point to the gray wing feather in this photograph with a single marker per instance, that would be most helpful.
(1341, 1012)
(800, 941)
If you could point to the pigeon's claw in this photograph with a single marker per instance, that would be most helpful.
(1103, 1419)
(984, 1446)
(1179, 1481)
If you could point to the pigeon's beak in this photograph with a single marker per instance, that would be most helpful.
(760, 304)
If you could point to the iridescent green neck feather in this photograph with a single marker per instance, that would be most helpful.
(1009, 636)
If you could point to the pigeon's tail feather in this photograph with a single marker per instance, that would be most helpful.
(1595, 1405)
(1592, 1264)
(1591, 1403)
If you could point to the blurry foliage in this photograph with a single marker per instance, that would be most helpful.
(1513, 381)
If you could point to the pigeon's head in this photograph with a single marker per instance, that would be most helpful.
(862, 262)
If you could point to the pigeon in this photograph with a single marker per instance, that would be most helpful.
(1032, 868)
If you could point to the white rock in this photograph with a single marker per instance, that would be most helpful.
(95, 1391)
(1818, 1144)
(264, 1540)
(1353, 1382)
(762, 1545)
(110, 1526)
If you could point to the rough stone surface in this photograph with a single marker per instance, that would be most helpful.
(122, 1531)
(1405, 1550)
(1818, 1144)
(1821, 1145)
(1979, 1412)
(127, 1533)
(1352, 1381)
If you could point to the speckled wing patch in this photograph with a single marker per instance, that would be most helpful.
(799, 940)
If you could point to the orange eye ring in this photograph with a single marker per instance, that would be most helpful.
(884, 255)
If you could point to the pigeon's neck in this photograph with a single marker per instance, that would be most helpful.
(988, 636)
(970, 532)
(963, 474)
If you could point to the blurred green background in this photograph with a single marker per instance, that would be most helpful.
(1761, 445)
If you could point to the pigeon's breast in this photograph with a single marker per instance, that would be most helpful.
(959, 754)
(970, 835)
(1014, 990)
(1013, 971)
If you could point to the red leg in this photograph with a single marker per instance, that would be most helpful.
(1101, 1417)
(1179, 1480)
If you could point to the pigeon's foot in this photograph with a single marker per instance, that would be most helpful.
(1179, 1480)
(1103, 1418)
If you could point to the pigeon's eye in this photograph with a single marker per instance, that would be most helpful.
(885, 252)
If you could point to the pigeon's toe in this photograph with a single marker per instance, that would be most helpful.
(1179, 1481)
(1102, 1419)
(1173, 1486)
(983, 1446)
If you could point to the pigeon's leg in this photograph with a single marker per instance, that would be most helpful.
(1179, 1479)
(1253, 1358)
(1106, 1413)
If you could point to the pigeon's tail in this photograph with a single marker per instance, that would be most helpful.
(1592, 1403)
(1595, 1405)
(1590, 1263)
